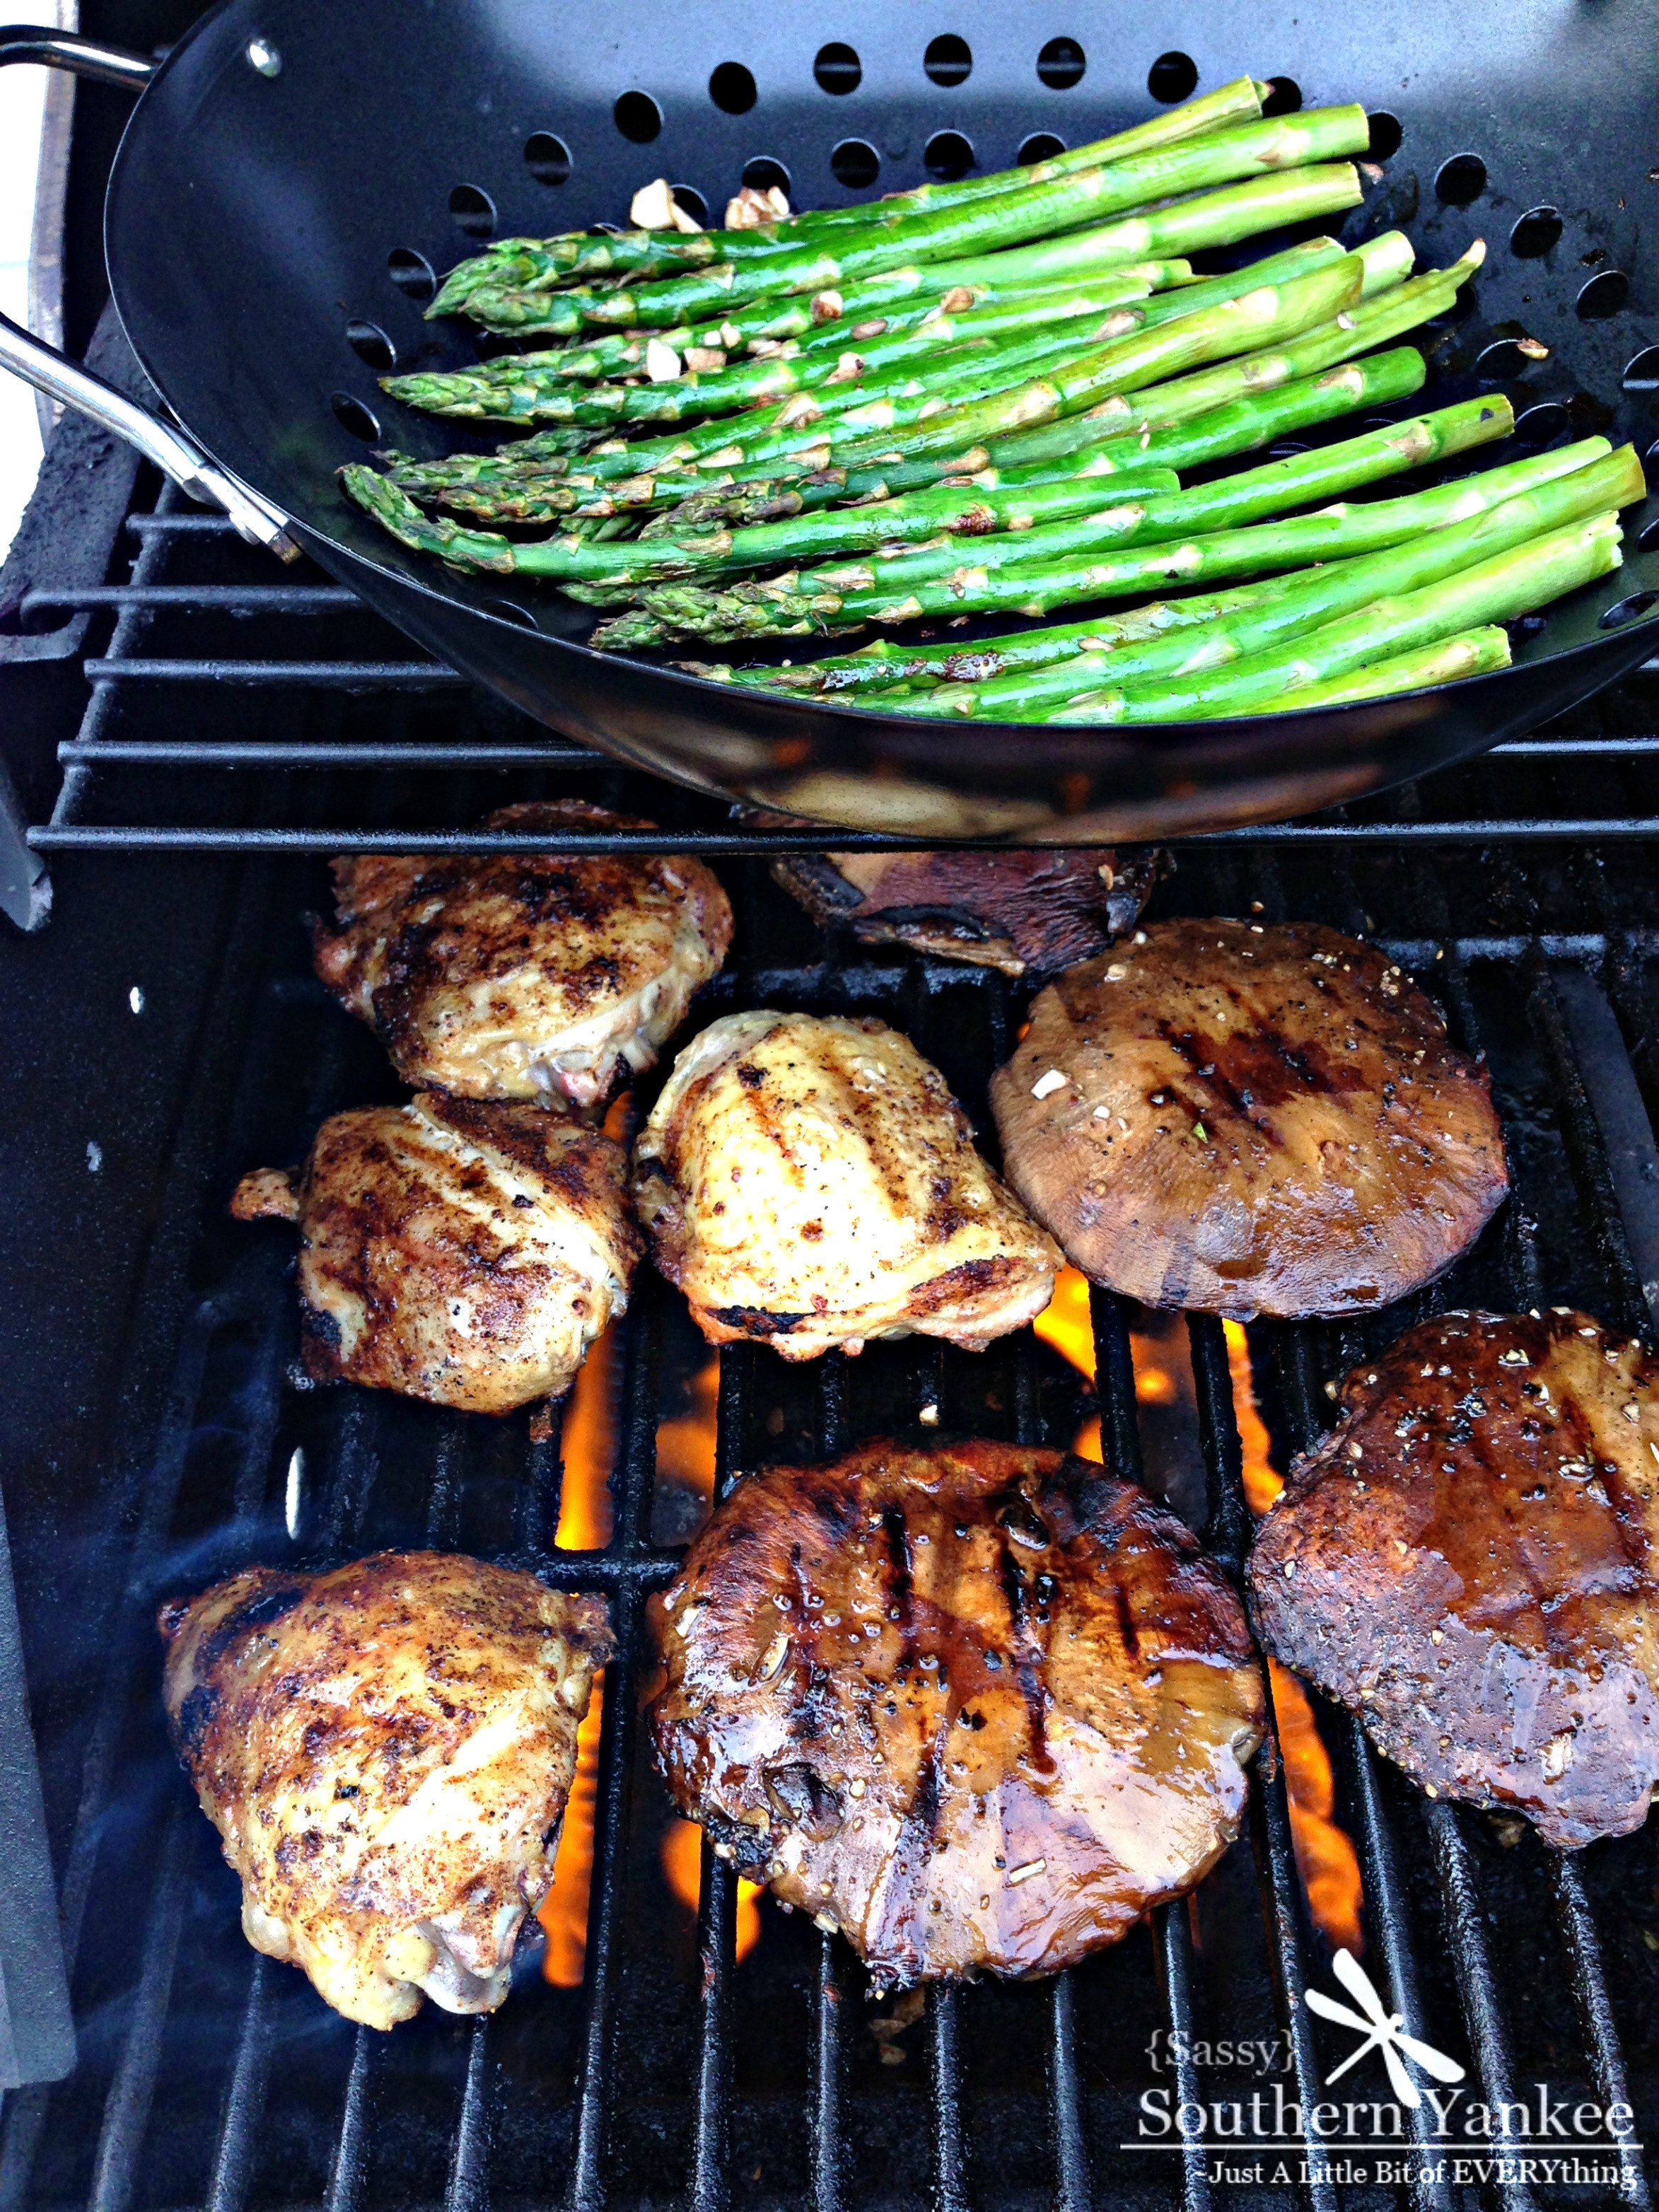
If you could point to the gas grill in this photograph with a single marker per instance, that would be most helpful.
(164, 1033)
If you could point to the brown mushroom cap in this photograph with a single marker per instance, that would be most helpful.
(1244, 1119)
(1467, 1561)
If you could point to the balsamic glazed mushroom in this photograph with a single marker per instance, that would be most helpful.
(977, 1707)
(1467, 1561)
(1025, 913)
(1244, 1119)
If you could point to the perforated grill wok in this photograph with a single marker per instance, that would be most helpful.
(293, 173)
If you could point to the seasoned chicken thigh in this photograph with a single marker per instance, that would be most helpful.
(386, 1750)
(466, 1254)
(979, 1707)
(810, 1181)
(524, 975)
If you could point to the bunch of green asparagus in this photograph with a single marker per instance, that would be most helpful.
(988, 397)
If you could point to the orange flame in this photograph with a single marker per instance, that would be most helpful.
(1263, 1481)
(588, 1449)
(686, 1447)
(1325, 1857)
(681, 1867)
(563, 1911)
(1066, 1324)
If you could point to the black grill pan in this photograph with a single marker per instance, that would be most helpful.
(295, 172)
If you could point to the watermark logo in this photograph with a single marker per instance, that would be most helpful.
(1383, 2031)
(1433, 2127)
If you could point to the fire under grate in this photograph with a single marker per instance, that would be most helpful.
(672, 2073)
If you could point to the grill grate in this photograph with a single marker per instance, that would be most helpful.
(179, 2091)
(672, 2074)
(107, 802)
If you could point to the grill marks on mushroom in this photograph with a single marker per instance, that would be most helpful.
(467, 1254)
(524, 975)
(386, 1750)
(1467, 1560)
(810, 1181)
(977, 1707)
(1245, 1120)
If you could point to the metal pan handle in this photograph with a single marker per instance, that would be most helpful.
(53, 372)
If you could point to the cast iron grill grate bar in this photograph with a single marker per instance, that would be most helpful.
(127, 665)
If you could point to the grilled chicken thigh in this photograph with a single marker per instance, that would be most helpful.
(1245, 1120)
(467, 1254)
(524, 975)
(810, 1181)
(976, 1707)
(1467, 1560)
(386, 1750)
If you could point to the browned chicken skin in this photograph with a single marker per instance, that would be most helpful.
(524, 975)
(809, 1180)
(467, 1254)
(976, 1707)
(1467, 1561)
(386, 1750)
(1242, 1119)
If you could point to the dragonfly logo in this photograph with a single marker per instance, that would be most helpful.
(1382, 2030)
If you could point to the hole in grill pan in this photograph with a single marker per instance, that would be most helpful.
(1503, 358)
(1537, 425)
(732, 88)
(837, 69)
(411, 272)
(1172, 77)
(1041, 146)
(547, 158)
(1387, 132)
(473, 210)
(1649, 540)
(638, 117)
(1642, 374)
(948, 59)
(510, 610)
(1060, 65)
(948, 155)
(692, 201)
(1284, 96)
(1535, 233)
(1604, 295)
(761, 172)
(1628, 609)
(351, 415)
(1460, 181)
(855, 163)
(371, 345)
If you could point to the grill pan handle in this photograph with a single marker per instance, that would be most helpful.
(54, 374)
